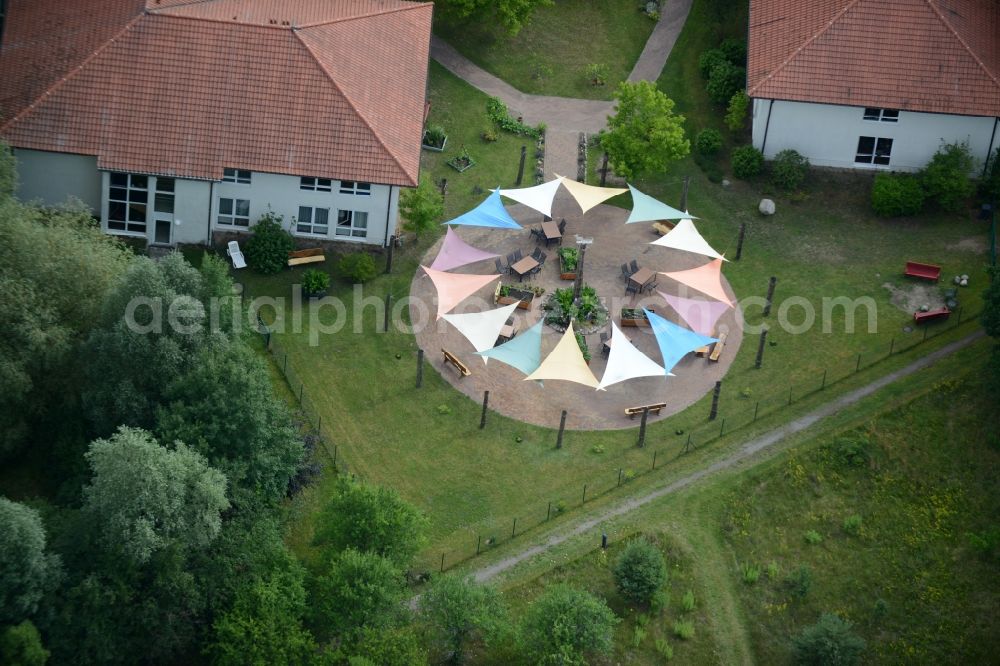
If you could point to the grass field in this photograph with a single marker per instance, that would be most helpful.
(551, 53)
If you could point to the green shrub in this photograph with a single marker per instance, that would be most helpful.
(640, 571)
(357, 267)
(736, 112)
(708, 141)
(597, 74)
(490, 134)
(434, 136)
(896, 194)
(687, 601)
(789, 170)
(724, 81)
(831, 641)
(799, 582)
(853, 451)
(496, 111)
(813, 537)
(638, 636)
(735, 50)
(751, 573)
(664, 649)
(852, 524)
(946, 179)
(267, 249)
(659, 602)
(684, 629)
(773, 570)
(709, 59)
(990, 187)
(709, 166)
(315, 281)
(747, 162)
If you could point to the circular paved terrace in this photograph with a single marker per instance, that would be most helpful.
(614, 243)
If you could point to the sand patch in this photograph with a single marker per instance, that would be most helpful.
(973, 244)
(911, 297)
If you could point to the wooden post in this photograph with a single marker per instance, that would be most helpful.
(715, 403)
(520, 167)
(442, 562)
(420, 367)
(857, 366)
(770, 295)
(760, 349)
(562, 427)
(739, 241)
(302, 388)
(548, 512)
(513, 529)
(654, 459)
(388, 255)
(584, 494)
(684, 193)
(486, 402)
(604, 169)
(642, 428)
(385, 318)
(619, 477)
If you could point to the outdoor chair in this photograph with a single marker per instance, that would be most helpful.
(634, 267)
(537, 233)
(632, 287)
(512, 258)
(626, 273)
(501, 269)
(650, 285)
(605, 349)
(517, 255)
(541, 258)
(233, 250)
(536, 255)
(562, 226)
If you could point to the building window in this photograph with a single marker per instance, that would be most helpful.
(163, 200)
(241, 176)
(352, 223)
(884, 115)
(128, 197)
(872, 150)
(234, 212)
(316, 184)
(313, 221)
(354, 187)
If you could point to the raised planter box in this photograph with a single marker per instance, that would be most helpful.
(565, 273)
(514, 295)
(634, 318)
(461, 164)
(435, 149)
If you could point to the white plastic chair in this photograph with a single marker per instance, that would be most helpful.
(234, 253)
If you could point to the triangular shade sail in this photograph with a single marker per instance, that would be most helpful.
(707, 279)
(589, 196)
(456, 252)
(523, 352)
(685, 237)
(566, 362)
(490, 213)
(647, 209)
(674, 341)
(538, 197)
(700, 316)
(627, 362)
(453, 288)
(481, 328)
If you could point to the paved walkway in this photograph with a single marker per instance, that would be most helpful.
(566, 117)
(746, 451)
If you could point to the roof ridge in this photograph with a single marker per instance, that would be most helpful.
(806, 43)
(165, 13)
(961, 41)
(73, 72)
(351, 103)
(404, 8)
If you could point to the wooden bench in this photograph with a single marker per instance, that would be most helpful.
(662, 227)
(931, 315)
(655, 409)
(310, 256)
(453, 360)
(922, 271)
(717, 349)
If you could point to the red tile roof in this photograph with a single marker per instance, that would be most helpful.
(940, 56)
(186, 89)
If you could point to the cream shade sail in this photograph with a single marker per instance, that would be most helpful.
(566, 362)
(589, 196)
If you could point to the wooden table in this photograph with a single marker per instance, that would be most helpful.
(642, 276)
(607, 343)
(523, 267)
(551, 231)
(508, 331)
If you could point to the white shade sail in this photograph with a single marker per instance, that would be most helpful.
(684, 236)
(627, 362)
(538, 197)
(481, 328)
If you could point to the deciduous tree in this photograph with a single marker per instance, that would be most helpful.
(27, 571)
(640, 571)
(568, 626)
(357, 590)
(457, 611)
(422, 207)
(644, 134)
(511, 14)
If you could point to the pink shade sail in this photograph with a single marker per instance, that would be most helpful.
(456, 252)
(700, 316)
(453, 288)
(707, 279)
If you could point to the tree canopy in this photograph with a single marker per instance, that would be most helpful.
(511, 14)
(358, 590)
(422, 207)
(568, 626)
(457, 611)
(640, 571)
(27, 571)
(644, 134)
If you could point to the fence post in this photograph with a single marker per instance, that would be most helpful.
(715, 401)
(420, 367)
(892, 344)
(642, 428)
(334, 455)
(790, 394)
(442, 562)
(755, 408)
(388, 307)
(723, 428)
(823, 385)
(619, 477)
(760, 349)
(770, 295)
(739, 241)
(479, 542)
(562, 427)
(857, 366)
(513, 529)
(654, 460)
(687, 444)
(584, 494)
(486, 402)
(520, 167)
(548, 512)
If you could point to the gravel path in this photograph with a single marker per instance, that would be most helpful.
(747, 450)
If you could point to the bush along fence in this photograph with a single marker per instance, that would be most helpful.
(720, 421)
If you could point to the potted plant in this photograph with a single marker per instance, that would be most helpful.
(582, 342)
(315, 283)
(507, 294)
(462, 162)
(568, 259)
(634, 317)
(434, 139)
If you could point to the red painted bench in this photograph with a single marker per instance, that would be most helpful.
(922, 271)
(931, 315)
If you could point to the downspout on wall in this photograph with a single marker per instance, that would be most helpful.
(388, 208)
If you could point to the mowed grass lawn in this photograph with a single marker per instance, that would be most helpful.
(474, 483)
(550, 55)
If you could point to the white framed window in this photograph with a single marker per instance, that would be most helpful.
(354, 187)
(352, 223)
(315, 184)
(163, 200)
(241, 176)
(313, 221)
(873, 150)
(128, 199)
(234, 212)
(883, 115)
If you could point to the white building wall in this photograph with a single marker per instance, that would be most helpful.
(828, 134)
(192, 199)
(283, 195)
(54, 177)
